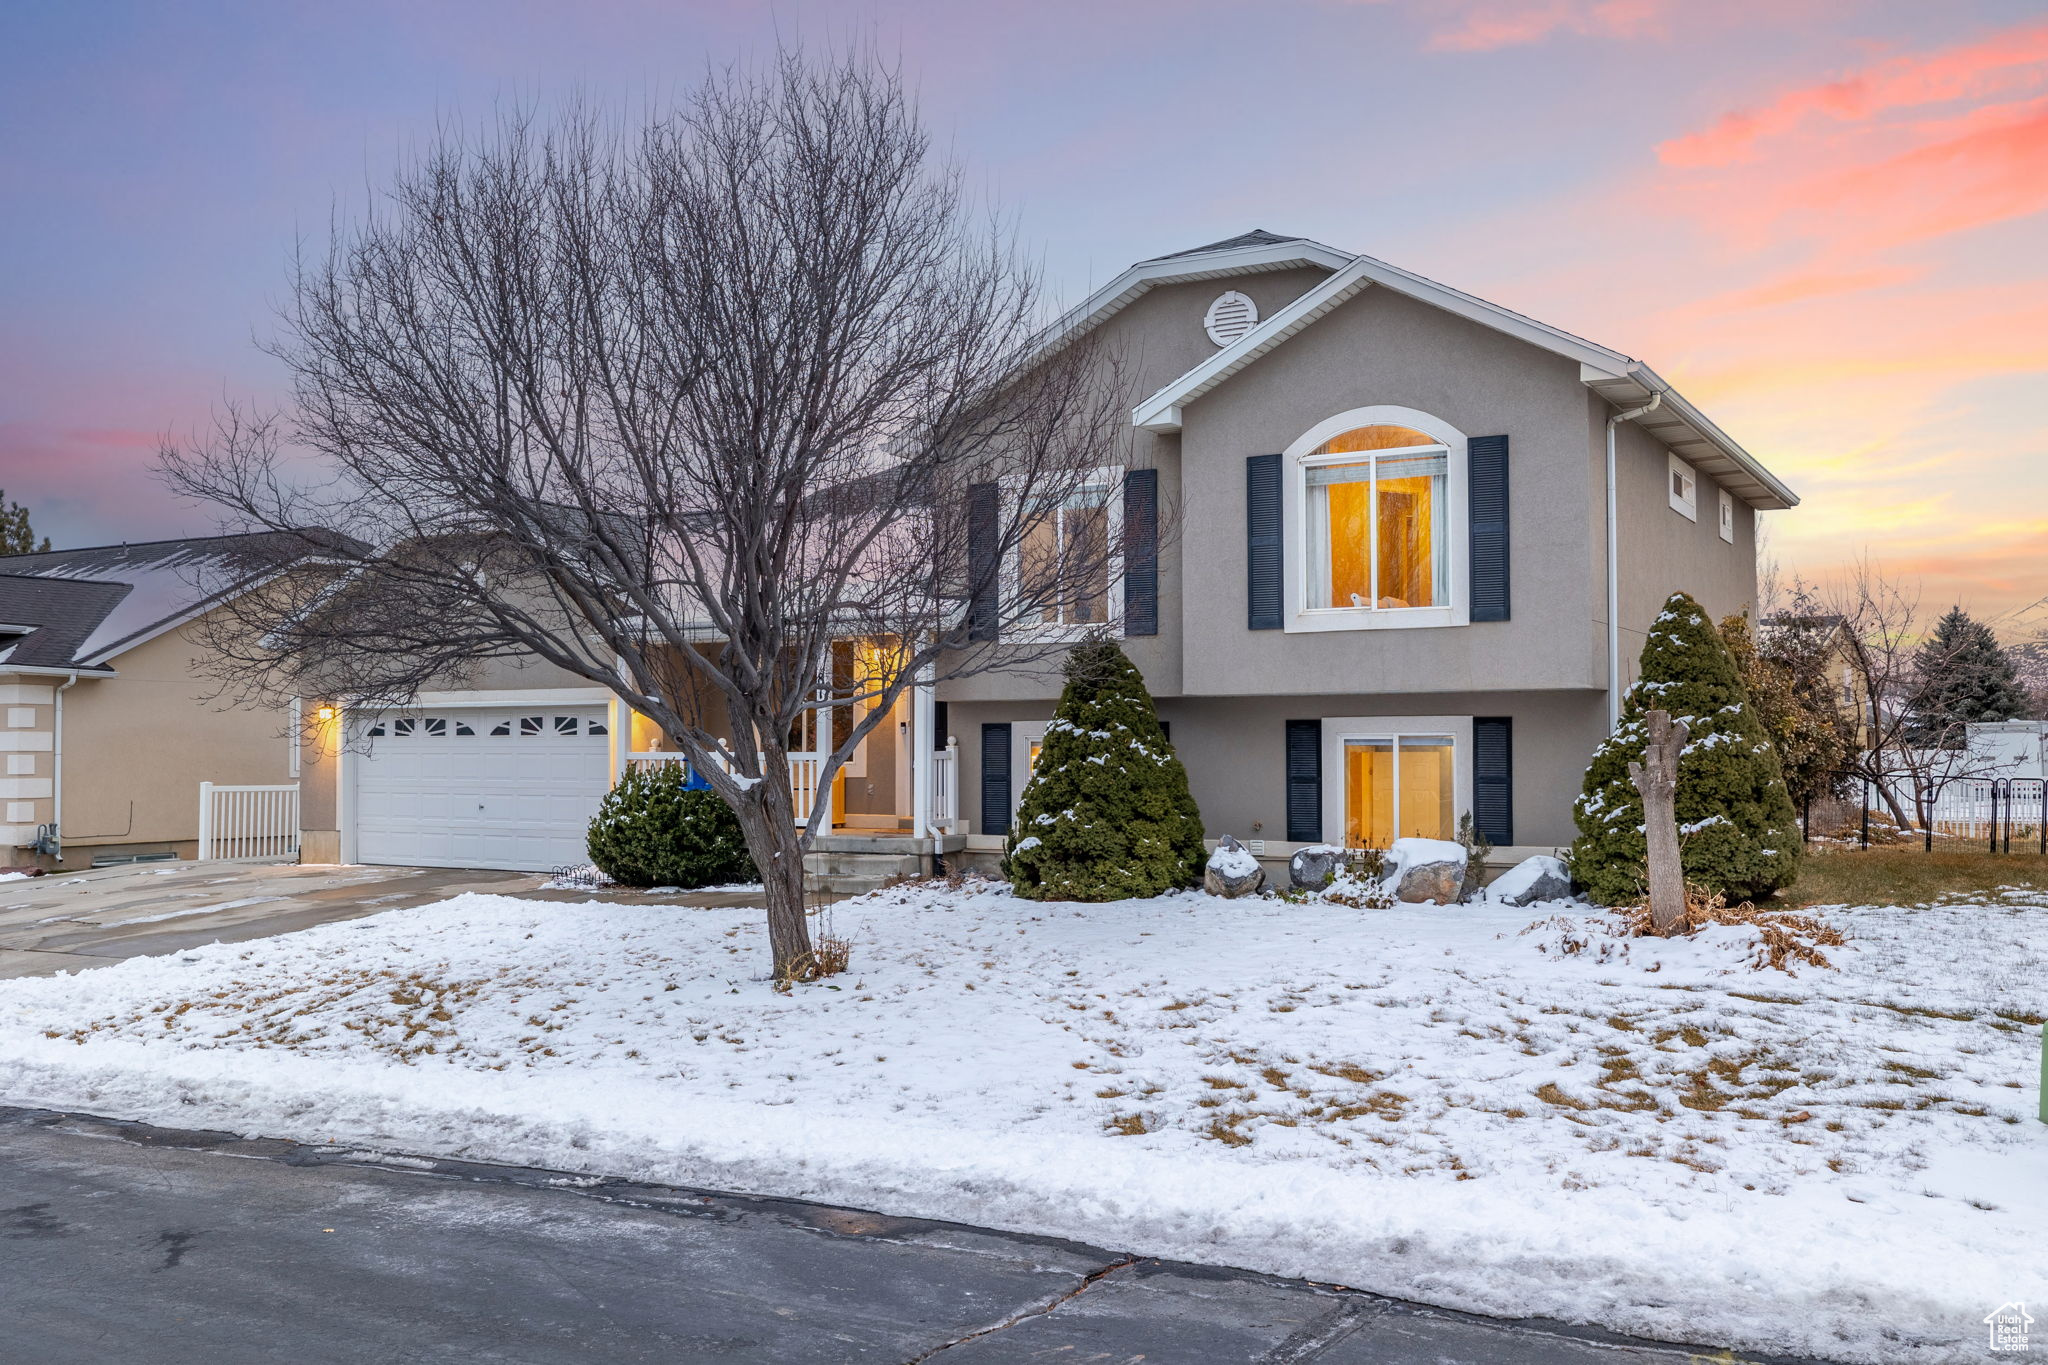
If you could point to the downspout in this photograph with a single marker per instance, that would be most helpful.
(57, 771)
(1614, 566)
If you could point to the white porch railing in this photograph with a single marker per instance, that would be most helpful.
(946, 786)
(803, 775)
(248, 824)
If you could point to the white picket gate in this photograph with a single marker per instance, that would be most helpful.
(248, 824)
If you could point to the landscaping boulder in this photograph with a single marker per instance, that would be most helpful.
(1232, 871)
(1315, 867)
(1541, 878)
(1425, 871)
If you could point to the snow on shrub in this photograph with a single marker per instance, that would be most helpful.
(652, 830)
(1739, 833)
(1107, 814)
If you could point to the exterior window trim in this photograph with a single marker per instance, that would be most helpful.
(1727, 506)
(1338, 729)
(1300, 456)
(1689, 508)
(1111, 477)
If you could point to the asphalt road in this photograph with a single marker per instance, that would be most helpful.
(123, 1243)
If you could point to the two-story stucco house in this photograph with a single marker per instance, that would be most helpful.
(1418, 541)
(1390, 551)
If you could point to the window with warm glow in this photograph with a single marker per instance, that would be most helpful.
(1398, 787)
(1065, 556)
(1376, 523)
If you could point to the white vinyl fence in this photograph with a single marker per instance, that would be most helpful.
(248, 824)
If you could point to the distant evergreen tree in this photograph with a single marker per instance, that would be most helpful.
(1107, 814)
(16, 536)
(1738, 832)
(1964, 676)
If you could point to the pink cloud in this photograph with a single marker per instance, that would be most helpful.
(1485, 27)
(2015, 60)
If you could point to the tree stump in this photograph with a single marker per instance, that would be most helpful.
(1656, 778)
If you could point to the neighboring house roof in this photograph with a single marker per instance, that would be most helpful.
(44, 621)
(1620, 379)
(95, 602)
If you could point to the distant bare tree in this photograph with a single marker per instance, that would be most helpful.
(1905, 748)
(676, 408)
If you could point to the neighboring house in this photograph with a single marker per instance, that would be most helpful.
(1380, 600)
(108, 732)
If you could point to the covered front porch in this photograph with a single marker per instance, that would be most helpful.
(893, 808)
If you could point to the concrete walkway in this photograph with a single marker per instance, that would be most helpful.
(90, 919)
(122, 1242)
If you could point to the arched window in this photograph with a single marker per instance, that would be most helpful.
(1376, 507)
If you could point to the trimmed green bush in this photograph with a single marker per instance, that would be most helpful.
(1107, 815)
(652, 830)
(1737, 829)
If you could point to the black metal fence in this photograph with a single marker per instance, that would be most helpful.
(1998, 814)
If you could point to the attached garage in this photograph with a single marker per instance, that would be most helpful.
(498, 787)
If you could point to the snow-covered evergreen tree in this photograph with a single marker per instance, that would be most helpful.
(1965, 676)
(1738, 831)
(1107, 814)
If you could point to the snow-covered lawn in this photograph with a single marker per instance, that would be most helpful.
(1420, 1101)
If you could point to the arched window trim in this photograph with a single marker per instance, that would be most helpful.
(1301, 455)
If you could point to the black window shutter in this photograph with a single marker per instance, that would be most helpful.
(1493, 777)
(940, 734)
(995, 778)
(984, 578)
(1305, 781)
(1486, 488)
(1141, 552)
(1263, 571)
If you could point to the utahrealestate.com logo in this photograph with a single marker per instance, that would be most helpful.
(2008, 1324)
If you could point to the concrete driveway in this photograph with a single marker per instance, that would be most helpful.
(90, 919)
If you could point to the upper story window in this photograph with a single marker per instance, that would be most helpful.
(1727, 516)
(1684, 490)
(1376, 503)
(1067, 557)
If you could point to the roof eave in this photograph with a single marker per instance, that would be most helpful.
(1691, 434)
(1127, 287)
(1618, 378)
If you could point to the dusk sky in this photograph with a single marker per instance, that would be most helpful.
(1825, 221)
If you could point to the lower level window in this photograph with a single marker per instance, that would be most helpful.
(1398, 787)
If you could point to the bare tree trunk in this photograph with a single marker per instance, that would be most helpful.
(776, 841)
(1656, 778)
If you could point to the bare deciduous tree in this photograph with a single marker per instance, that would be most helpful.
(675, 408)
(1903, 750)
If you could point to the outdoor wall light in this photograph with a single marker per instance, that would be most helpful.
(325, 713)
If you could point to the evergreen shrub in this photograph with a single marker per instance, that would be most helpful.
(654, 830)
(1737, 830)
(1107, 814)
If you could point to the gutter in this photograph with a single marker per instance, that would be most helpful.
(1614, 565)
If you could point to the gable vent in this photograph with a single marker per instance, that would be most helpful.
(1230, 317)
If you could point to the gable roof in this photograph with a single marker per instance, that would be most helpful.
(90, 604)
(1620, 379)
(1248, 253)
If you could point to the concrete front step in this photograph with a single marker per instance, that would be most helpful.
(858, 865)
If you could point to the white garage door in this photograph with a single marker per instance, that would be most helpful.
(481, 788)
